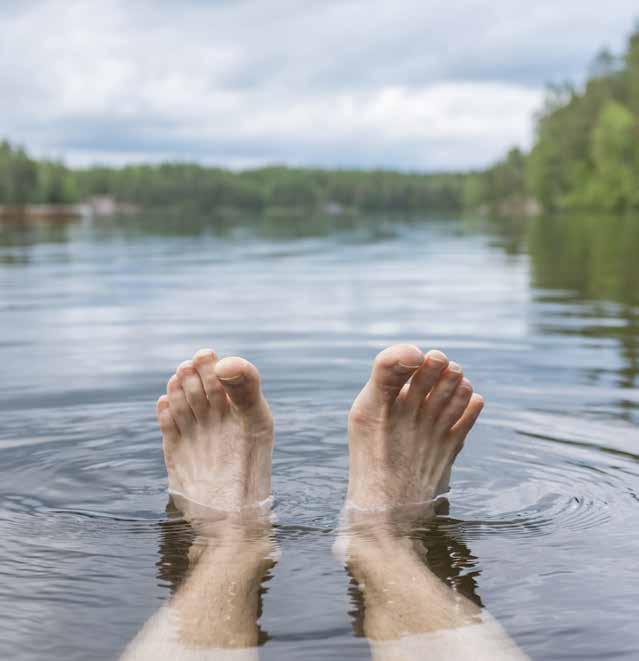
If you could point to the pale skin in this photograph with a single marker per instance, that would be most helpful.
(405, 429)
(217, 433)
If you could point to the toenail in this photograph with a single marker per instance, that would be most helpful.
(454, 367)
(204, 353)
(401, 367)
(233, 380)
(436, 358)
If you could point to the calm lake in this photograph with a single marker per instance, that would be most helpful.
(543, 523)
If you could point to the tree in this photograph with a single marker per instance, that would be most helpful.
(614, 180)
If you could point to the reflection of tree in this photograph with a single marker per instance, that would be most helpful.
(274, 224)
(17, 237)
(509, 235)
(595, 256)
(595, 259)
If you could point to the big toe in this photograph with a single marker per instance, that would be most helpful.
(392, 368)
(241, 381)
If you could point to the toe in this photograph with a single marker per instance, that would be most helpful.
(170, 432)
(165, 419)
(461, 428)
(455, 407)
(193, 389)
(391, 370)
(179, 406)
(241, 381)
(204, 362)
(426, 377)
(442, 392)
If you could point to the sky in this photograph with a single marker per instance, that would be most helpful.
(409, 84)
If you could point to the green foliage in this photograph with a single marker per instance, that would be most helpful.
(631, 72)
(194, 187)
(26, 181)
(503, 183)
(55, 184)
(586, 148)
(273, 187)
(614, 177)
(586, 152)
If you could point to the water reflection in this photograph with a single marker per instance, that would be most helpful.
(18, 236)
(591, 260)
(594, 257)
(276, 225)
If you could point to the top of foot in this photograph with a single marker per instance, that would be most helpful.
(406, 427)
(217, 436)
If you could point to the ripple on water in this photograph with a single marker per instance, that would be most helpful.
(547, 483)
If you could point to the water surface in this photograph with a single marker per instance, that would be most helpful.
(544, 509)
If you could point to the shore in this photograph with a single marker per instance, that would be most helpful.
(98, 206)
(34, 212)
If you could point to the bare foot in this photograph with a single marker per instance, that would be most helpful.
(404, 433)
(217, 435)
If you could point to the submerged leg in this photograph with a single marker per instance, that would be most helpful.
(218, 438)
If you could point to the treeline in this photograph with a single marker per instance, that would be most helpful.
(586, 148)
(208, 188)
(24, 180)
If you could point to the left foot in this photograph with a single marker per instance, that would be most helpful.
(406, 427)
(217, 433)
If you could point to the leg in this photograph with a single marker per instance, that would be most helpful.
(218, 438)
(405, 429)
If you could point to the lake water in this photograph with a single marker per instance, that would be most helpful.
(543, 526)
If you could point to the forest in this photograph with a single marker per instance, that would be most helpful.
(24, 180)
(585, 153)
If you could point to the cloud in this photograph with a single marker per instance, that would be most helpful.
(410, 84)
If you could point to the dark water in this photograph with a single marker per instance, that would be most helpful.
(544, 510)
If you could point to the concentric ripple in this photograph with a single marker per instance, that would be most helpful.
(537, 485)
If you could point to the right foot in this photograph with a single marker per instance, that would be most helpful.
(404, 437)
(217, 434)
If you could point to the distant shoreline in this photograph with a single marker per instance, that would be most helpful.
(42, 212)
(97, 206)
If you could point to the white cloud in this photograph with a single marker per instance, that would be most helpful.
(410, 84)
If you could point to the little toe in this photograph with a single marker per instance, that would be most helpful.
(468, 418)
(180, 409)
(165, 420)
(241, 381)
(391, 370)
(455, 407)
(193, 390)
(442, 392)
(426, 377)
(204, 362)
(170, 432)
